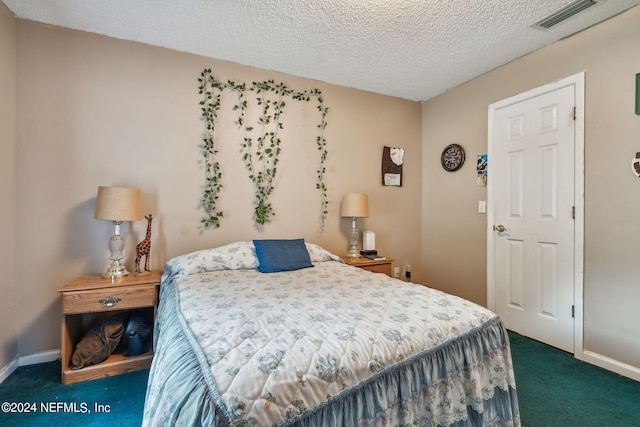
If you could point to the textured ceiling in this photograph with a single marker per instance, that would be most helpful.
(412, 49)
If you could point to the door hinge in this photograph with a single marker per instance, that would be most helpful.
(573, 311)
(575, 112)
(573, 212)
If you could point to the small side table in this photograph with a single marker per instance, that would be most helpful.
(89, 299)
(379, 266)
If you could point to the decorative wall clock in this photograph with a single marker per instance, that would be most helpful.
(452, 157)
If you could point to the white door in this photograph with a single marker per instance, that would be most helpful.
(532, 203)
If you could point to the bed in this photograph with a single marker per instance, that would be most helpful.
(261, 334)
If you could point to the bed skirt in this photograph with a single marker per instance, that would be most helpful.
(464, 381)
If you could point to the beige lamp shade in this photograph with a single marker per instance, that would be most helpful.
(118, 204)
(355, 205)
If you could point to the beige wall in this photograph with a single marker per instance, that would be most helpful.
(8, 338)
(454, 234)
(98, 111)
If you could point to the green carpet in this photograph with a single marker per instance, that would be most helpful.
(554, 390)
(557, 390)
(122, 396)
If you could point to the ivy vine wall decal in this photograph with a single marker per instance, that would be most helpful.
(260, 144)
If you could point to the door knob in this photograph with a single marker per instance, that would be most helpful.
(499, 228)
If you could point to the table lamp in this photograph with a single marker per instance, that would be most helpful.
(118, 204)
(354, 206)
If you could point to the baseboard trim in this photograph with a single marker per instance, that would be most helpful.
(613, 365)
(8, 369)
(42, 357)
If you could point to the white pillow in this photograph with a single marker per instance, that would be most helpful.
(234, 256)
(318, 254)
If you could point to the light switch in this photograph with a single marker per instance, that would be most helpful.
(482, 206)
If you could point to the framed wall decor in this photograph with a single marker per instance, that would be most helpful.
(635, 165)
(392, 160)
(482, 170)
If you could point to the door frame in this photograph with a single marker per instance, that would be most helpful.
(578, 81)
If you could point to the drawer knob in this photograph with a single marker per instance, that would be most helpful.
(109, 301)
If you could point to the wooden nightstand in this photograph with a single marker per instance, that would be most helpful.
(89, 299)
(381, 266)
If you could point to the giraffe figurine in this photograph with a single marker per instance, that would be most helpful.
(144, 248)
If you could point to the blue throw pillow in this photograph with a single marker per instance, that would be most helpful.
(282, 255)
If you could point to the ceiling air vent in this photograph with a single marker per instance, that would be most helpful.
(564, 13)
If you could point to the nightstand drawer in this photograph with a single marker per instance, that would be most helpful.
(380, 268)
(375, 266)
(117, 298)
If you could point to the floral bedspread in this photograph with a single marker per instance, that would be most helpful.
(280, 348)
